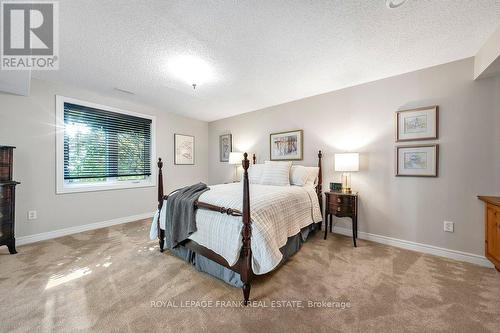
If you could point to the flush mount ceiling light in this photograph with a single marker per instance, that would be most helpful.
(191, 70)
(391, 4)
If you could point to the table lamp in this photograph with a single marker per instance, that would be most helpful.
(235, 158)
(346, 163)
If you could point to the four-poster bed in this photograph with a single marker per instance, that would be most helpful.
(243, 265)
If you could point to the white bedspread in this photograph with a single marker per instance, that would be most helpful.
(277, 212)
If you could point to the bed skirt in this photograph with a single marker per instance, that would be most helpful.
(203, 264)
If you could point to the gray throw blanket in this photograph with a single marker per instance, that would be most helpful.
(180, 220)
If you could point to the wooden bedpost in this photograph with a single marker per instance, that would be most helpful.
(161, 233)
(254, 159)
(319, 187)
(246, 269)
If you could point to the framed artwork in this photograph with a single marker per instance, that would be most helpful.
(183, 149)
(417, 124)
(286, 146)
(417, 160)
(225, 147)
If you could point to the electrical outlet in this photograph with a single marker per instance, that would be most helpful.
(32, 215)
(449, 226)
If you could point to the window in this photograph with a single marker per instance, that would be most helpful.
(102, 148)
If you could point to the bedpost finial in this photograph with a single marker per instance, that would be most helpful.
(320, 154)
(160, 163)
(245, 162)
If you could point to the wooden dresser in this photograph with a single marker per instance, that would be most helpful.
(492, 229)
(7, 199)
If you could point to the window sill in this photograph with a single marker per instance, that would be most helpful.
(80, 188)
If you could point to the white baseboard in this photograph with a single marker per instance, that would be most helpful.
(419, 247)
(73, 230)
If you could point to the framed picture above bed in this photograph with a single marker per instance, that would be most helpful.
(183, 149)
(225, 147)
(417, 124)
(417, 160)
(286, 146)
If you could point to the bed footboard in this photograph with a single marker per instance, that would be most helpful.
(244, 264)
(161, 233)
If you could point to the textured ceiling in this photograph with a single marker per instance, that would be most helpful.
(262, 52)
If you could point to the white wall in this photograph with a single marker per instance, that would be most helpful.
(29, 124)
(487, 59)
(361, 119)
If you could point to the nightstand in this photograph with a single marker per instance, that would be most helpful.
(342, 204)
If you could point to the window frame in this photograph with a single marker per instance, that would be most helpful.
(111, 183)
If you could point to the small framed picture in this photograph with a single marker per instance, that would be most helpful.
(417, 160)
(417, 124)
(336, 187)
(286, 146)
(183, 149)
(225, 147)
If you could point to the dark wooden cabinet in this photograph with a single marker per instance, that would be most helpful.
(7, 199)
(342, 204)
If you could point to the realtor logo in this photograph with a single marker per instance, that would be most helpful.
(30, 35)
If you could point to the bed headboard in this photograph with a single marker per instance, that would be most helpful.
(319, 186)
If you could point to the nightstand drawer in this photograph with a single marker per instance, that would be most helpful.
(335, 206)
(340, 209)
(341, 200)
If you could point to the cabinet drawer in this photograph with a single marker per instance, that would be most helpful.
(5, 213)
(493, 232)
(5, 172)
(6, 155)
(6, 230)
(5, 195)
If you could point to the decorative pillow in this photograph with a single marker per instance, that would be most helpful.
(313, 173)
(277, 174)
(298, 175)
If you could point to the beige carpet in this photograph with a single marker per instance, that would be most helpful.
(107, 279)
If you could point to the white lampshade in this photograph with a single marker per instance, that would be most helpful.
(347, 162)
(235, 157)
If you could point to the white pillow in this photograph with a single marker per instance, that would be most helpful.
(254, 173)
(277, 174)
(313, 173)
(299, 175)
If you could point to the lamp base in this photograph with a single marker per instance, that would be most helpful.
(346, 182)
(235, 179)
